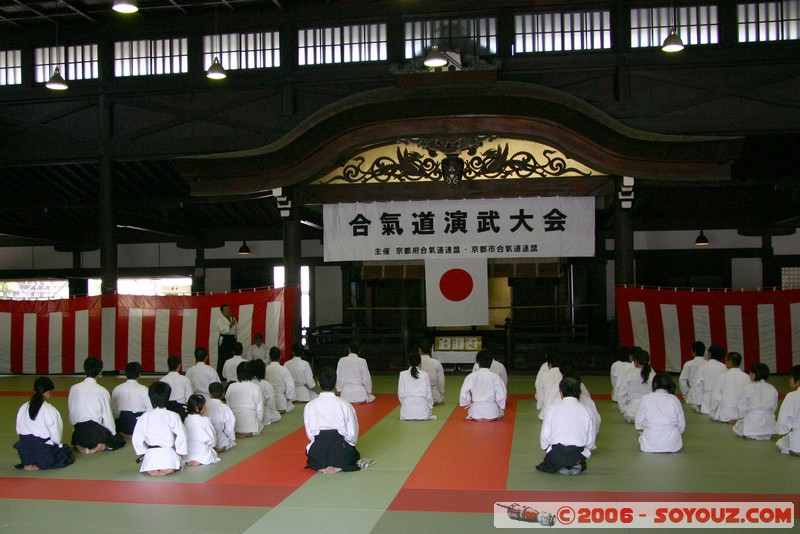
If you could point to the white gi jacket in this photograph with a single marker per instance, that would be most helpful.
(283, 384)
(303, 379)
(416, 398)
(130, 396)
(726, 395)
(705, 380)
(247, 404)
(89, 401)
(181, 386)
(329, 412)
(789, 423)
(161, 437)
(618, 369)
(201, 439)
(200, 376)
(271, 413)
(353, 379)
(661, 418)
(229, 368)
(631, 391)
(568, 422)
(757, 409)
(483, 394)
(436, 374)
(691, 395)
(497, 368)
(47, 425)
(223, 421)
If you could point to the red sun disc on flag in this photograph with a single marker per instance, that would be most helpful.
(456, 285)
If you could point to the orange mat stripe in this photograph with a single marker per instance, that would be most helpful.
(467, 454)
(283, 462)
(482, 501)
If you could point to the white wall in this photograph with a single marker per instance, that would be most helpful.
(746, 273)
(218, 280)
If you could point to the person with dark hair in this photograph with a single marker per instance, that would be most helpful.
(246, 402)
(226, 326)
(728, 391)
(301, 374)
(660, 417)
(789, 416)
(434, 369)
(414, 392)
(619, 368)
(568, 431)
(353, 380)
(332, 428)
(180, 385)
(258, 350)
(40, 429)
(221, 417)
(159, 438)
(229, 370)
(129, 400)
(281, 380)
(90, 413)
(757, 406)
(637, 382)
(689, 372)
(201, 374)
(549, 380)
(258, 370)
(566, 367)
(706, 378)
(200, 434)
(483, 393)
(497, 368)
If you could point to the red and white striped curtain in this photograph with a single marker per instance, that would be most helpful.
(55, 336)
(760, 325)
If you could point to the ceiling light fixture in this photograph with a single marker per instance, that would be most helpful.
(244, 250)
(673, 42)
(701, 241)
(56, 81)
(216, 71)
(126, 6)
(435, 58)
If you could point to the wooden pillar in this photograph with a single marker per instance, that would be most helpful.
(623, 232)
(292, 256)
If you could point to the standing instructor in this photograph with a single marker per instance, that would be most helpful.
(227, 336)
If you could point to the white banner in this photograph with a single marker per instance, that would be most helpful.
(548, 227)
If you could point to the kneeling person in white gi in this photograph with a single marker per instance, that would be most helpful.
(568, 431)
(332, 429)
(159, 437)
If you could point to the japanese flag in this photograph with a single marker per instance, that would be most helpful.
(457, 292)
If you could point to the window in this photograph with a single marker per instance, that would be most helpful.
(343, 44)
(697, 25)
(477, 37)
(77, 62)
(279, 278)
(10, 67)
(769, 21)
(146, 286)
(149, 57)
(34, 290)
(555, 32)
(790, 277)
(243, 50)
